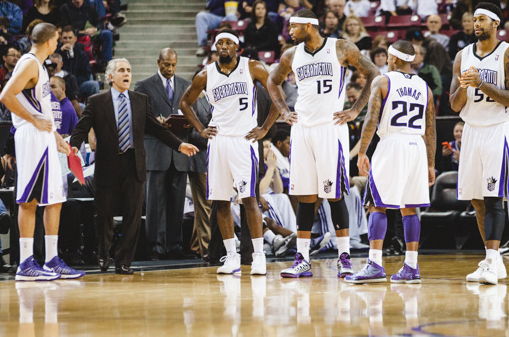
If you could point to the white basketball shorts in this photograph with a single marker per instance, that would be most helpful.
(231, 161)
(399, 173)
(484, 160)
(39, 171)
(319, 160)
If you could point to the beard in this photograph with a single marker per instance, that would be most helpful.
(225, 60)
(483, 36)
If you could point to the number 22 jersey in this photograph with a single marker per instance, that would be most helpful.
(480, 109)
(320, 79)
(404, 108)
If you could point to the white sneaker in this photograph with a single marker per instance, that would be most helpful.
(488, 273)
(282, 245)
(501, 271)
(258, 266)
(231, 264)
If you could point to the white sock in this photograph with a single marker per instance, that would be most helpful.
(257, 245)
(492, 256)
(269, 236)
(230, 246)
(51, 242)
(375, 255)
(411, 258)
(26, 248)
(303, 247)
(343, 244)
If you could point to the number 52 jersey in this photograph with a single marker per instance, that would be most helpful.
(404, 108)
(320, 79)
(480, 109)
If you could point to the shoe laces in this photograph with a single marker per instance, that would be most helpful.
(298, 260)
(228, 258)
(344, 258)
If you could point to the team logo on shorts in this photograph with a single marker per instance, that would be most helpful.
(491, 184)
(242, 186)
(327, 186)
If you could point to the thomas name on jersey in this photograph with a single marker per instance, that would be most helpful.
(230, 89)
(416, 94)
(314, 69)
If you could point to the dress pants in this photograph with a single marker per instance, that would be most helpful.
(201, 230)
(123, 198)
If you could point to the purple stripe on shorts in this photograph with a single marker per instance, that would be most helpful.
(254, 170)
(341, 178)
(44, 196)
(31, 183)
(208, 152)
(416, 205)
(253, 104)
(385, 99)
(341, 85)
(502, 189)
(374, 193)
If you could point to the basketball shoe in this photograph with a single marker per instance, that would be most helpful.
(282, 245)
(407, 274)
(57, 265)
(259, 265)
(299, 268)
(371, 273)
(231, 264)
(344, 265)
(319, 243)
(501, 271)
(488, 273)
(30, 270)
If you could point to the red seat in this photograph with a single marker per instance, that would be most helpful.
(267, 56)
(373, 22)
(404, 21)
(445, 20)
(503, 35)
(392, 35)
(374, 7)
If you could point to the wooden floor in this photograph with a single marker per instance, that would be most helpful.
(198, 302)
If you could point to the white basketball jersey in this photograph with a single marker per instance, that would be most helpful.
(404, 108)
(233, 99)
(480, 109)
(320, 80)
(36, 100)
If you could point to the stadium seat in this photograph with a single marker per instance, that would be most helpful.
(445, 20)
(503, 35)
(404, 21)
(267, 56)
(373, 22)
(392, 35)
(374, 8)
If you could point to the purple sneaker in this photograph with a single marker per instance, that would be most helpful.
(344, 265)
(407, 275)
(57, 265)
(371, 273)
(300, 268)
(30, 270)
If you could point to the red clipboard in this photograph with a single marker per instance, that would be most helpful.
(74, 163)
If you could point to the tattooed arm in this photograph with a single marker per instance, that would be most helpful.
(378, 90)
(458, 97)
(430, 138)
(189, 98)
(349, 55)
(276, 78)
(473, 79)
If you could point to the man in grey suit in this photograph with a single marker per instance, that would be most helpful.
(167, 169)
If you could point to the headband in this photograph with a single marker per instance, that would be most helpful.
(401, 55)
(488, 13)
(296, 19)
(225, 35)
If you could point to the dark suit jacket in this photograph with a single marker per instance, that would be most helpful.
(160, 156)
(198, 162)
(100, 115)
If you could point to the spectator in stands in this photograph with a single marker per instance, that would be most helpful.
(68, 118)
(380, 41)
(77, 62)
(72, 89)
(14, 14)
(246, 8)
(44, 10)
(210, 20)
(11, 57)
(434, 24)
(462, 7)
(85, 19)
(425, 8)
(353, 92)
(359, 8)
(25, 43)
(261, 33)
(290, 89)
(428, 72)
(462, 39)
(281, 148)
(451, 150)
(354, 31)
(395, 7)
(338, 7)
(359, 78)
(331, 25)
(379, 58)
(292, 6)
(6, 39)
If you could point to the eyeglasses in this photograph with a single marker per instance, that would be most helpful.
(14, 55)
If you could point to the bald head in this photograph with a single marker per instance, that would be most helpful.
(434, 23)
(338, 7)
(167, 62)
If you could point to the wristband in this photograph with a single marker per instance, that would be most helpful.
(479, 86)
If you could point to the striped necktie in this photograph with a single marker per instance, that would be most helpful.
(169, 90)
(123, 124)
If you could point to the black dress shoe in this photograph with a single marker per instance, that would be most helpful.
(176, 253)
(124, 270)
(104, 263)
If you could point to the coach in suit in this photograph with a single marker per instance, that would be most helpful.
(120, 118)
(167, 169)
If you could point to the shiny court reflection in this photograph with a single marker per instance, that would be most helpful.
(198, 302)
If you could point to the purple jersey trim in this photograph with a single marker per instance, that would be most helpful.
(208, 153)
(384, 100)
(342, 184)
(503, 188)
(254, 171)
(374, 192)
(30, 186)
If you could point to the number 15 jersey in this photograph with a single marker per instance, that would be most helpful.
(404, 108)
(480, 109)
(320, 80)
